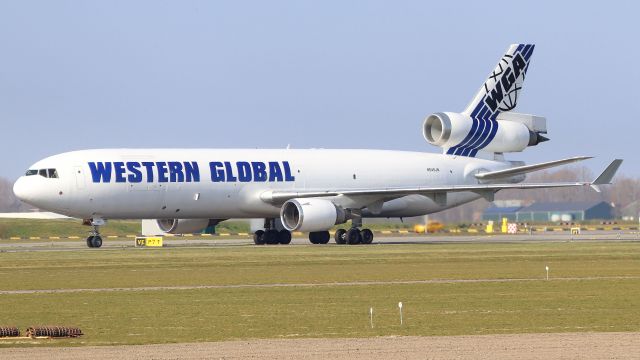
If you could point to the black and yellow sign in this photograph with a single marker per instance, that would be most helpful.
(149, 241)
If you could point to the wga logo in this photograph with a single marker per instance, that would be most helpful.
(505, 85)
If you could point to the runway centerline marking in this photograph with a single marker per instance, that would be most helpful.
(309, 285)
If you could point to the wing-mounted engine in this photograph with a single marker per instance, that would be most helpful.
(311, 215)
(459, 134)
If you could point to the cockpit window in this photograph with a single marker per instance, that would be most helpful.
(47, 173)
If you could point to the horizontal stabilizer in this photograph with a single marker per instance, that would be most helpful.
(528, 168)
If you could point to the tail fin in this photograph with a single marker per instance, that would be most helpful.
(498, 94)
(500, 91)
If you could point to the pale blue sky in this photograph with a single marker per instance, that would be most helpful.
(352, 74)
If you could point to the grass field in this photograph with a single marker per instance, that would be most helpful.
(73, 227)
(26, 228)
(593, 287)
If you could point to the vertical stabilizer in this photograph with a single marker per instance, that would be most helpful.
(499, 93)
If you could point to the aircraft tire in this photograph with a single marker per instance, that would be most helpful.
(89, 243)
(339, 236)
(284, 237)
(271, 237)
(323, 237)
(319, 237)
(353, 236)
(96, 241)
(258, 237)
(367, 236)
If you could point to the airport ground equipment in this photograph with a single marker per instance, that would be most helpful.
(53, 331)
(9, 331)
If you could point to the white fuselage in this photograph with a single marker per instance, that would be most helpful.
(227, 183)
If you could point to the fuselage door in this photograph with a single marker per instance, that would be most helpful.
(79, 173)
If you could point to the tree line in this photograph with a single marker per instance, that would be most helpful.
(8, 201)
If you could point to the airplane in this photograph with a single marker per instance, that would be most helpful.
(308, 190)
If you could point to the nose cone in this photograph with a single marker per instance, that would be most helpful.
(21, 189)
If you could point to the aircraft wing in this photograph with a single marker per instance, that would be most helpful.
(40, 215)
(487, 190)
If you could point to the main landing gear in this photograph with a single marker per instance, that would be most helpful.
(95, 240)
(354, 235)
(270, 235)
(319, 237)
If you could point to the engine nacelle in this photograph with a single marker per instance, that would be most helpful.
(184, 226)
(450, 129)
(310, 215)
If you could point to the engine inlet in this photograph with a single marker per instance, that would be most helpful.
(436, 129)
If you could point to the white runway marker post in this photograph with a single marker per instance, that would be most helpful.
(400, 307)
(371, 316)
(547, 268)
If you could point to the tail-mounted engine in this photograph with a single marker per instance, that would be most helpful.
(509, 132)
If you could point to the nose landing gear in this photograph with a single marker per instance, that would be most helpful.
(95, 240)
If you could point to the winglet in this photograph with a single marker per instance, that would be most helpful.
(607, 175)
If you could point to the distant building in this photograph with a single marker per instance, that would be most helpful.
(496, 213)
(552, 212)
(631, 211)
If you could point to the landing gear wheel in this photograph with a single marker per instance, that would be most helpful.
(319, 237)
(271, 237)
(258, 237)
(284, 237)
(339, 236)
(367, 236)
(353, 236)
(324, 237)
(96, 241)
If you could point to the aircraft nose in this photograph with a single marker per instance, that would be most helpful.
(21, 190)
